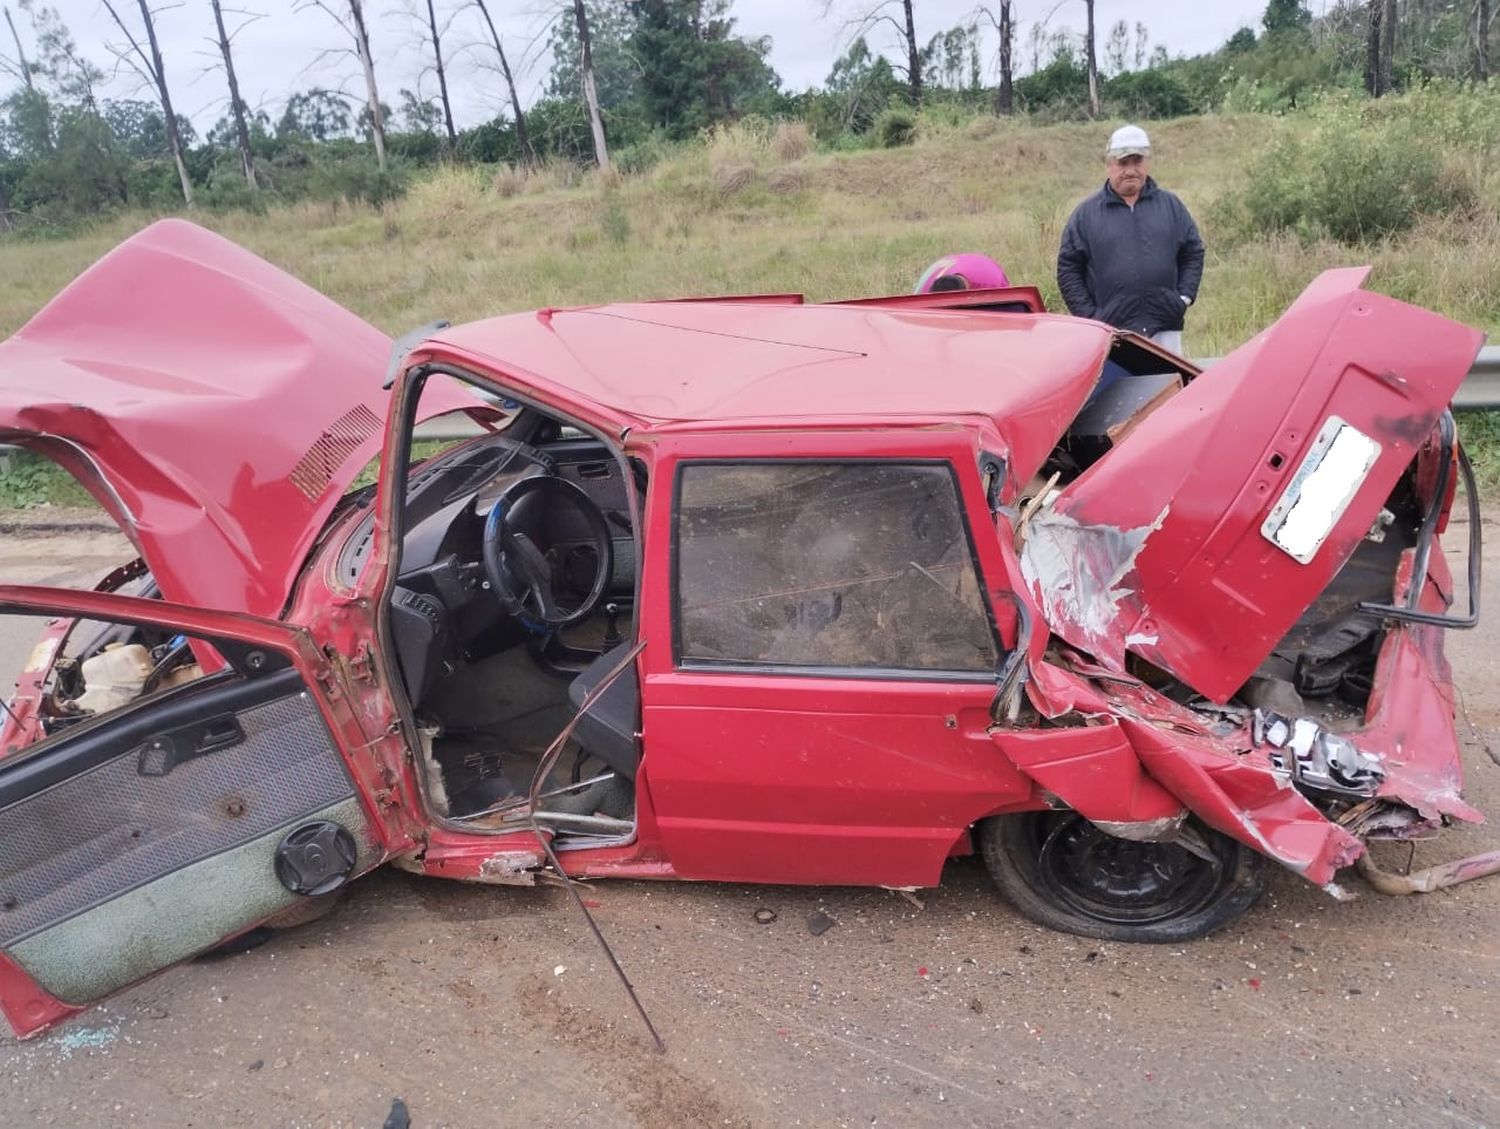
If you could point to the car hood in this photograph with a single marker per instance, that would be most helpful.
(215, 405)
(1199, 540)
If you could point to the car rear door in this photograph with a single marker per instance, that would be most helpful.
(821, 655)
(156, 831)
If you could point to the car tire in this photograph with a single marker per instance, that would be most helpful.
(1061, 871)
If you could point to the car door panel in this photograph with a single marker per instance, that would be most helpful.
(135, 839)
(111, 868)
(810, 780)
(861, 774)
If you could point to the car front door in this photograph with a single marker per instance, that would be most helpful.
(821, 712)
(133, 840)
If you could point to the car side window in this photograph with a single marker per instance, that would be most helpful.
(827, 565)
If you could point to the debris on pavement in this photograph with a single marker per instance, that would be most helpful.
(819, 923)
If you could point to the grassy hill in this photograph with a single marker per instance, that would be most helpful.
(752, 209)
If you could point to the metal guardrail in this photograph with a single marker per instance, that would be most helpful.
(1480, 391)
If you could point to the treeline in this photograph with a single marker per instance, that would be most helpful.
(628, 79)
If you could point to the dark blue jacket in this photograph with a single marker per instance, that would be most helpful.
(1130, 267)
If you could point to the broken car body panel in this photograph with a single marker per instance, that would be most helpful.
(1160, 548)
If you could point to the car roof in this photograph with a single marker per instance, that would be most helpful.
(770, 363)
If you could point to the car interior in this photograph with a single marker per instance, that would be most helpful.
(514, 599)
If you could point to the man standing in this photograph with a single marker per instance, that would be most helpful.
(1130, 255)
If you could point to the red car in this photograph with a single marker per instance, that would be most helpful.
(742, 589)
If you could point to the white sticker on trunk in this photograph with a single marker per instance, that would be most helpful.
(1321, 490)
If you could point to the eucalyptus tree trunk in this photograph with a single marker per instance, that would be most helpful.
(151, 67)
(236, 105)
(442, 76)
(1481, 40)
(590, 91)
(913, 56)
(20, 54)
(1005, 100)
(1093, 62)
(522, 141)
(362, 46)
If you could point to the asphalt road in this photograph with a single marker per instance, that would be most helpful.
(493, 1007)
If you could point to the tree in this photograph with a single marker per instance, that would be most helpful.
(615, 71)
(237, 109)
(70, 76)
(17, 67)
(1380, 43)
(315, 115)
(419, 114)
(151, 69)
(527, 155)
(1285, 16)
(590, 91)
(358, 31)
(1241, 41)
(1480, 37)
(140, 130)
(1117, 47)
(1005, 98)
(694, 70)
(442, 74)
(1092, 61)
(872, 16)
(1388, 45)
(863, 83)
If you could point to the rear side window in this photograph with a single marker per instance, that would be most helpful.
(828, 565)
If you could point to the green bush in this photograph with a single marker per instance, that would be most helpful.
(895, 127)
(1147, 94)
(1360, 172)
(357, 180)
(644, 154)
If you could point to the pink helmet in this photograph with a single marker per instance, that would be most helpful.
(968, 271)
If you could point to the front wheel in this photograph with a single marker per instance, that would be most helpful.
(1061, 871)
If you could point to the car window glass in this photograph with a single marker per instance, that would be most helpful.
(863, 565)
(445, 401)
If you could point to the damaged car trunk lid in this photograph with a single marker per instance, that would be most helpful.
(1199, 540)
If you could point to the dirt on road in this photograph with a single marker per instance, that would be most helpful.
(484, 1006)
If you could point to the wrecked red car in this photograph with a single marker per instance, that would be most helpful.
(744, 590)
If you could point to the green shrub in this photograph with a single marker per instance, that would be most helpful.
(1147, 94)
(895, 127)
(643, 155)
(357, 179)
(1359, 172)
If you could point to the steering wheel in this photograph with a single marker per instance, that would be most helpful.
(522, 572)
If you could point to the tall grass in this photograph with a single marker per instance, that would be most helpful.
(752, 208)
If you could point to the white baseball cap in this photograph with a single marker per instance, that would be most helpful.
(1127, 141)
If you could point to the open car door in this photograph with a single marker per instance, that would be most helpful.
(1200, 539)
(135, 839)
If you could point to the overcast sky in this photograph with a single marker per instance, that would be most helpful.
(280, 53)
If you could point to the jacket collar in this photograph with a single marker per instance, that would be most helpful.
(1109, 196)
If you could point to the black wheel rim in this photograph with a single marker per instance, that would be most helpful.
(1121, 881)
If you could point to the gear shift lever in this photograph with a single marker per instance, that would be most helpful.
(612, 636)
